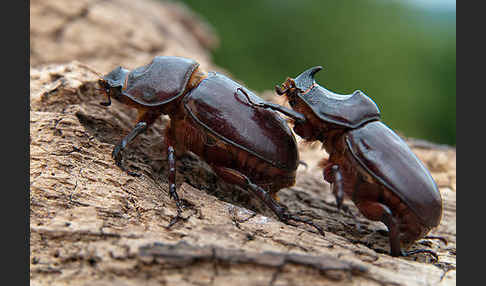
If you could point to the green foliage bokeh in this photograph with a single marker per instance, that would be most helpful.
(402, 57)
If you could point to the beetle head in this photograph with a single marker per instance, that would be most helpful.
(301, 84)
(331, 109)
(113, 83)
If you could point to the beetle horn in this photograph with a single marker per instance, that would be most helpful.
(306, 79)
(116, 78)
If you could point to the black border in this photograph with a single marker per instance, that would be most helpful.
(15, 141)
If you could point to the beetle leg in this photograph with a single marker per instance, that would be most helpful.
(280, 211)
(145, 118)
(236, 177)
(172, 179)
(298, 117)
(393, 230)
(333, 175)
(415, 251)
(378, 211)
(394, 233)
(116, 154)
(303, 164)
(436, 237)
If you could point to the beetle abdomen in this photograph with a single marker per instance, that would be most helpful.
(217, 152)
(389, 160)
(219, 107)
(161, 81)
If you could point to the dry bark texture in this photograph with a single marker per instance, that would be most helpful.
(92, 224)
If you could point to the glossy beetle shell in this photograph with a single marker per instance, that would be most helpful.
(218, 106)
(390, 161)
(159, 82)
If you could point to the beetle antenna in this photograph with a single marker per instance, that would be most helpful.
(91, 70)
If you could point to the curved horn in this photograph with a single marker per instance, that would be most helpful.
(116, 78)
(306, 79)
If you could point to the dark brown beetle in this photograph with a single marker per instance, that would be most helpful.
(367, 161)
(212, 118)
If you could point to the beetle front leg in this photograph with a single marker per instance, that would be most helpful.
(298, 117)
(333, 175)
(116, 154)
(145, 118)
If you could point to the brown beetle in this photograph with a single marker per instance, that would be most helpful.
(211, 117)
(367, 161)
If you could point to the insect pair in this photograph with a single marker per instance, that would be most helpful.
(246, 142)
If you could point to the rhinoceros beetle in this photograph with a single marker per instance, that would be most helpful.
(210, 117)
(367, 161)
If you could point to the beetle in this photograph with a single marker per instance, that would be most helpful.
(368, 161)
(210, 117)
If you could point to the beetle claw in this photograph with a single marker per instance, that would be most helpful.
(412, 252)
(133, 174)
(173, 195)
(116, 155)
(437, 237)
(176, 219)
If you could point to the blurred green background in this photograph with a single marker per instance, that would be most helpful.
(400, 54)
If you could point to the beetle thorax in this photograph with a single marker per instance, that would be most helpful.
(314, 128)
(117, 94)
